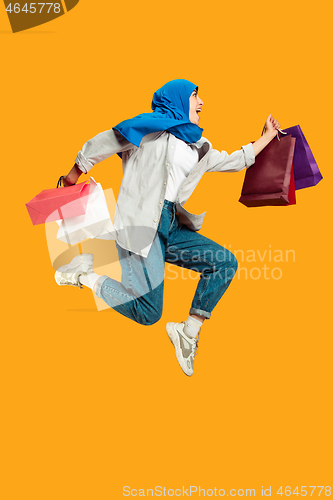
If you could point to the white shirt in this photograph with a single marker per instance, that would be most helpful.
(184, 160)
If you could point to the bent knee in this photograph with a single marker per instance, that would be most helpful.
(234, 262)
(226, 259)
(228, 267)
(232, 266)
(150, 318)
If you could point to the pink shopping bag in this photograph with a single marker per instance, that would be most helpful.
(55, 204)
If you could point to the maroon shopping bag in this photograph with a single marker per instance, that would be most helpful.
(269, 180)
(305, 167)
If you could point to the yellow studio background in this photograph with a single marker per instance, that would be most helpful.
(92, 402)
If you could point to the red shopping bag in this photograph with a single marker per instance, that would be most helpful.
(55, 204)
(270, 180)
(292, 192)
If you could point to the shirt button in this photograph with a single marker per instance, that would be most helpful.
(155, 220)
(161, 202)
(165, 184)
(171, 147)
(168, 164)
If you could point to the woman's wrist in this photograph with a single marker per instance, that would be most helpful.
(270, 134)
(262, 142)
(73, 175)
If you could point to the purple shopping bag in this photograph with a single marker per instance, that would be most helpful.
(306, 170)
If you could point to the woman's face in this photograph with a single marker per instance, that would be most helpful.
(195, 107)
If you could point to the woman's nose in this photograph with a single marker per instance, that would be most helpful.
(201, 101)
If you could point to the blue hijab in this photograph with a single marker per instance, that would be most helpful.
(171, 107)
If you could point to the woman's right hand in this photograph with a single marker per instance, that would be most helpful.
(269, 132)
(271, 126)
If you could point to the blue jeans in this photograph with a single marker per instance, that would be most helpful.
(139, 296)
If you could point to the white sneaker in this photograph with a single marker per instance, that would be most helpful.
(70, 273)
(186, 347)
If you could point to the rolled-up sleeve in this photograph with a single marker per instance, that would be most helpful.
(236, 161)
(100, 147)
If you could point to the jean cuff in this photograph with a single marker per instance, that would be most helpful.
(99, 285)
(200, 313)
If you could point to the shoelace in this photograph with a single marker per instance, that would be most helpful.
(196, 341)
(197, 344)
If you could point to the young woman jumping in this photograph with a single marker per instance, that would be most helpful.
(164, 156)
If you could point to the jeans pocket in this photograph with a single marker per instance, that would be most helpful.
(174, 221)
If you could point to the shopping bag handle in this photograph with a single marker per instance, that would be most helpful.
(277, 135)
(61, 180)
